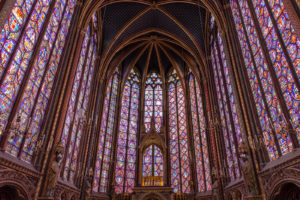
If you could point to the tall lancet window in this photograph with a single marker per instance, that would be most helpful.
(126, 149)
(153, 162)
(103, 159)
(271, 51)
(28, 68)
(180, 169)
(227, 106)
(153, 101)
(200, 140)
(76, 117)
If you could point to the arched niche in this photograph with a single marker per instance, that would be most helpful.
(287, 191)
(12, 192)
(152, 138)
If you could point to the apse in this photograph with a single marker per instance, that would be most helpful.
(149, 99)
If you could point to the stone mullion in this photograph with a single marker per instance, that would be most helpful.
(35, 51)
(115, 137)
(12, 55)
(189, 123)
(75, 104)
(105, 131)
(228, 103)
(165, 126)
(128, 126)
(220, 88)
(42, 81)
(199, 129)
(92, 107)
(85, 121)
(58, 99)
(178, 139)
(245, 84)
(270, 67)
(216, 116)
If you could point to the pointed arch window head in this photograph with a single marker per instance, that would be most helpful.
(180, 169)
(200, 139)
(104, 149)
(126, 147)
(153, 162)
(273, 74)
(153, 101)
(19, 42)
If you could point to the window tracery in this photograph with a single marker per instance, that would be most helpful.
(153, 101)
(180, 169)
(199, 134)
(126, 146)
(104, 151)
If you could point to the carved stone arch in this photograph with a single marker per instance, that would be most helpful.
(279, 187)
(18, 181)
(15, 190)
(152, 138)
(273, 182)
(151, 195)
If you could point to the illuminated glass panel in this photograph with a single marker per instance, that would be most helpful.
(153, 101)
(153, 161)
(105, 135)
(282, 70)
(200, 140)
(126, 150)
(255, 81)
(262, 84)
(12, 30)
(36, 78)
(12, 79)
(180, 170)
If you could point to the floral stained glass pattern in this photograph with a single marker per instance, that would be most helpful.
(180, 170)
(153, 101)
(200, 140)
(105, 136)
(126, 149)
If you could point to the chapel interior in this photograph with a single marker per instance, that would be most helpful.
(149, 99)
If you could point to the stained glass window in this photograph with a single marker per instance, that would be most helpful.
(105, 136)
(18, 42)
(227, 106)
(76, 118)
(282, 44)
(153, 162)
(126, 149)
(153, 101)
(200, 140)
(180, 169)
